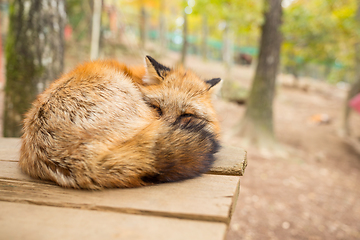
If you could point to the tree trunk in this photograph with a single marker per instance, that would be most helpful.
(2, 78)
(95, 34)
(143, 27)
(205, 34)
(34, 56)
(355, 87)
(228, 53)
(162, 29)
(353, 91)
(1, 56)
(257, 124)
(185, 41)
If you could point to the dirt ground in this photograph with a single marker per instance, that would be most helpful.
(312, 193)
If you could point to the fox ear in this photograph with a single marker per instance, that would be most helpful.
(155, 72)
(213, 82)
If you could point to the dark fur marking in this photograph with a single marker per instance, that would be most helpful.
(153, 106)
(160, 69)
(41, 113)
(157, 109)
(189, 125)
(213, 82)
(151, 179)
(185, 160)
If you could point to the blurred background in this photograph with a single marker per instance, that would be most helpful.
(289, 95)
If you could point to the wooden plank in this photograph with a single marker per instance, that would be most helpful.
(9, 149)
(25, 221)
(11, 170)
(10, 143)
(209, 197)
(229, 160)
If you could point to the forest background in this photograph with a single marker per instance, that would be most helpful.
(306, 186)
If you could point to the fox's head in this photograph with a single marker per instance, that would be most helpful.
(178, 94)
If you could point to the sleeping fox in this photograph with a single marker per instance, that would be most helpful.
(105, 125)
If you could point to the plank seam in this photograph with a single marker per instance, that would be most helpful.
(187, 216)
(223, 174)
(130, 211)
(31, 180)
(8, 160)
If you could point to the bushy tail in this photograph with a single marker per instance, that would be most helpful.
(184, 150)
(162, 152)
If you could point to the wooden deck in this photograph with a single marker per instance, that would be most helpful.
(199, 208)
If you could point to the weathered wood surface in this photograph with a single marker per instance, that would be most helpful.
(9, 149)
(25, 221)
(204, 198)
(230, 161)
(197, 208)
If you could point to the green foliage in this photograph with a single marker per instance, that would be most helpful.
(321, 32)
(243, 17)
(79, 15)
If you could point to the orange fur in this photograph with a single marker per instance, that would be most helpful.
(101, 126)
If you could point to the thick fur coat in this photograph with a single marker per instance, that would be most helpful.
(108, 125)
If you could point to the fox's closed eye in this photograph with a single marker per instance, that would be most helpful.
(187, 115)
(158, 109)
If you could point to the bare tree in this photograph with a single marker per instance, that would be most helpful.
(355, 87)
(353, 91)
(143, 26)
(185, 41)
(257, 124)
(1, 55)
(228, 53)
(162, 28)
(204, 39)
(95, 34)
(34, 56)
(2, 79)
